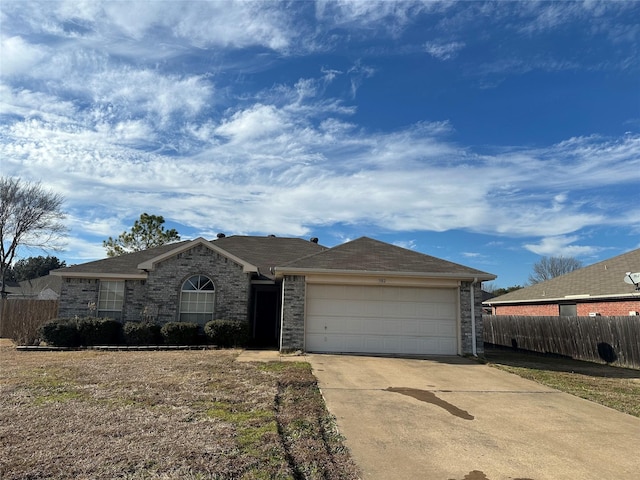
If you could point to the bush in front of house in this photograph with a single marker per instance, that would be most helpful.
(60, 332)
(180, 333)
(227, 333)
(142, 333)
(99, 331)
(86, 331)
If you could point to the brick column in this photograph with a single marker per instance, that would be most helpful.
(293, 296)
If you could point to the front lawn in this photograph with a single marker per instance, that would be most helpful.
(168, 415)
(613, 387)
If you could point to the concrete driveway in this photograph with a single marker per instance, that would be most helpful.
(454, 419)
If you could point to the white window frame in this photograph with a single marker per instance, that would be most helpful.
(111, 299)
(198, 302)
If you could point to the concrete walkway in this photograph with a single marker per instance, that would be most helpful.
(455, 419)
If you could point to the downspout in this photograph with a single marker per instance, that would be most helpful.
(474, 346)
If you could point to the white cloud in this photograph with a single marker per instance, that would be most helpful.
(444, 51)
(408, 244)
(18, 56)
(256, 122)
(561, 246)
(109, 121)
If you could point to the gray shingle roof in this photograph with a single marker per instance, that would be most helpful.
(122, 264)
(267, 252)
(602, 279)
(369, 255)
(263, 252)
(363, 254)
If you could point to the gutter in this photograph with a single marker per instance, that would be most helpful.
(474, 345)
(280, 271)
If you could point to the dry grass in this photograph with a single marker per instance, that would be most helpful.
(163, 415)
(613, 387)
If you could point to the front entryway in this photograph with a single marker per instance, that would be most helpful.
(264, 322)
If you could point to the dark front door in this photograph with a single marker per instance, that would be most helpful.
(266, 309)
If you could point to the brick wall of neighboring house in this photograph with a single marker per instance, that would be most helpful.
(611, 308)
(292, 334)
(465, 318)
(529, 310)
(232, 286)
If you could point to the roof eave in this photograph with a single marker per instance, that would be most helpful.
(280, 271)
(121, 276)
(564, 299)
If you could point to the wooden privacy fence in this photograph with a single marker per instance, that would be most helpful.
(613, 340)
(21, 317)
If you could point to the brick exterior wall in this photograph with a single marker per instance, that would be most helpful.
(529, 310)
(292, 333)
(159, 296)
(605, 309)
(75, 295)
(609, 309)
(466, 330)
(232, 286)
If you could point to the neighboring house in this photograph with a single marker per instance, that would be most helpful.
(364, 296)
(599, 289)
(46, 287)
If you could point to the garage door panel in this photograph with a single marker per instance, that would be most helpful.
(365, 319)
(443, 310)
(381, 344)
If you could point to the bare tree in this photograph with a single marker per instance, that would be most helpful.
(550, 267)
(30, 216)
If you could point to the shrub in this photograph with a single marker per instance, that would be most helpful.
(180, 333)
(227, 333)
(142, 333)
(99, 331)
(60, 332)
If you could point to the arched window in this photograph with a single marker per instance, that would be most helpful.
(197, 300)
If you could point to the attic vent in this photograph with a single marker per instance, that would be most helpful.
(221, 235)
(313, 239)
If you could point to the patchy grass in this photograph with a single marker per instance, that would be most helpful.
(169, 415)
(613, 387)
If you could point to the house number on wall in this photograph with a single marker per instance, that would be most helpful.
(382, 280)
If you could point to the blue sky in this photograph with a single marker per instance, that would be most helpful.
(486, 134)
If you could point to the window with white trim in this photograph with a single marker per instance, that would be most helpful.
(111, 299)
(197, 300)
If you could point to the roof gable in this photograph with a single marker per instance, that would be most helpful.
(152, 262)
(369, 255)
(602, 279)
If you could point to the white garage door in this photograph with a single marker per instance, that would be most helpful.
(381, 319)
